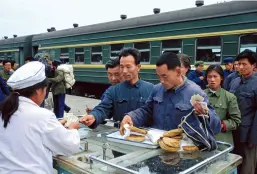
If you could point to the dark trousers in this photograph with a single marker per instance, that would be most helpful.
(59, 105)
(249, 159)
(249, 155)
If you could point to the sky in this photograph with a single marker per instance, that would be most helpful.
(25, 17)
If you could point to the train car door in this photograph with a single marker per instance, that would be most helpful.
(21, 56)
(35, 50)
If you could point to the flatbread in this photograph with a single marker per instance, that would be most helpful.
(171, 142)
(190, 148)
(137, 130)
(173, 133)
(137, 138)
(167, 148)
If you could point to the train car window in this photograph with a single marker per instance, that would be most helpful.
(2, 57)
(174, 45)
(9, 56)
(144, 48)
(79, 55)
(248, 42)
(52, 54)
(96, 54)
(64, 56)
(208, 50)
(115, 50)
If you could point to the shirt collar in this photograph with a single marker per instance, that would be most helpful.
(27, 100)
(179, 87)
(245, 79)
(214, 93)
(137, 84)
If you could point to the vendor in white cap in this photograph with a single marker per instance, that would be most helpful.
(29, 134)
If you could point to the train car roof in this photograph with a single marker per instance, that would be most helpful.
(195, 13)
(13, 40)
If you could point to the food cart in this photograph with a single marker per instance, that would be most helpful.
(99, 155)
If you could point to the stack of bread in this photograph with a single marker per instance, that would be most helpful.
(173, 141)
(134, 134)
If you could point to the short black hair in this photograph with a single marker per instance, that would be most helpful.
(170, 59)
(6, 61)
(184, 59)
(112, 63)
(13, 62)
(216, 68)
(131, 52)
(247, 54)
(29, 58)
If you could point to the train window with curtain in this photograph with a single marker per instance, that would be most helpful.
(248, 42)
(208, 49)
(173, 45)
(144, 48)
(79, 55)
(96, 54)
(64, 56)
(115, 50)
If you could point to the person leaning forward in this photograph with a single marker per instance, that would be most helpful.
(31, 135)
(123, 97)
(170, 100)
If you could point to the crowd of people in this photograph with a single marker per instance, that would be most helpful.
(30, 134)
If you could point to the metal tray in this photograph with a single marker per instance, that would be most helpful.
(116, 137)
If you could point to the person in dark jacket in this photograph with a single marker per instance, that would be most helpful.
(4, 90)
(197, 75)
(123, 97)
(231, 76)
(229, 66)
(185, 64)
(245, 89)
(169, 101)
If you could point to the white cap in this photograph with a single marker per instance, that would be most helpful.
(27, 75)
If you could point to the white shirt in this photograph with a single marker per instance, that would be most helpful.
(31, 138)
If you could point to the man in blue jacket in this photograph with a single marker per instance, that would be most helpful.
(123, 97)
(229, 66)
(197, 75)
(170, 100)
(245, 89)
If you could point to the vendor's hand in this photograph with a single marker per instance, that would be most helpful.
(62, 122)
(87, 120)
(199, 110)
(126, 120)
(74, 125)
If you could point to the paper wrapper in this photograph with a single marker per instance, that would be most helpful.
(154, 135)
(200, 100)
(70, 118)
(127, 131)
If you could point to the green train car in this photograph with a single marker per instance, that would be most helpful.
(209, 33)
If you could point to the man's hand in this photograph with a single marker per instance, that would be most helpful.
(87, 120)
(199, 110)
(126, 120)
(201, 78)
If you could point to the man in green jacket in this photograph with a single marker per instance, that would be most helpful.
(6, 72)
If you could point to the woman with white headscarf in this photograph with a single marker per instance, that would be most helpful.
(29, 134)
